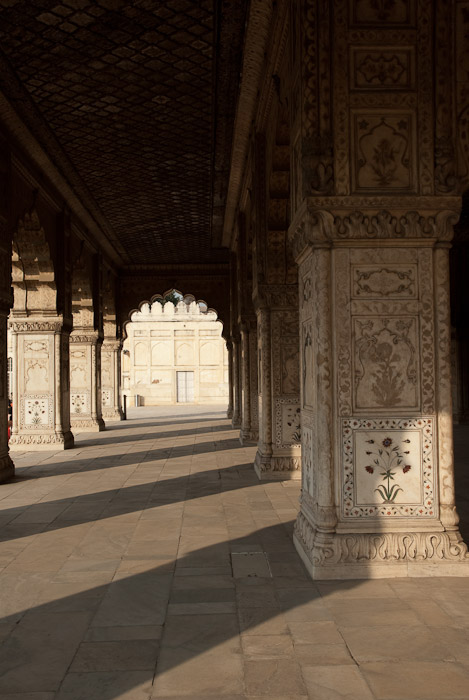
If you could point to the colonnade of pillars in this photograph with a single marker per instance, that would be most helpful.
(63, 382)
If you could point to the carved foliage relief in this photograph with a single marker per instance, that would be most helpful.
(377, 12)
(386, 363)
(384, 151)
(388, 468)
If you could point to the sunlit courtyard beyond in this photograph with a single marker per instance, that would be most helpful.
(150, 562)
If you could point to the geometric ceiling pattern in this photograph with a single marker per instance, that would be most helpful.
(127, 88)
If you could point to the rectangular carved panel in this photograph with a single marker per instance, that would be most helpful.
(395, 281)
(382, 67)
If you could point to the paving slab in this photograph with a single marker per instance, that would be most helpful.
(150, 563)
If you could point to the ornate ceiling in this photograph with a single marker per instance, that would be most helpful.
(134, 102)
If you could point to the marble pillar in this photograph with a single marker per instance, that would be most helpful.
(229, 411)
(377, 476)
(237, 408)
(110, 379)
(250, 420)
(85, 380)
(41, 413)
(7, 468)
(279, 448)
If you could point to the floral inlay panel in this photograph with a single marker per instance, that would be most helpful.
(79, 403)
(388, 468)
(287, 423)
(37, 412)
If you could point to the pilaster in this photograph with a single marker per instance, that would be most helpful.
(250, 421)
(279, 449)
(229, 411)
(7, 468)
(237, 406)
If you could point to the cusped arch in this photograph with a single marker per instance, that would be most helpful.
(160, 307)
(33, 275)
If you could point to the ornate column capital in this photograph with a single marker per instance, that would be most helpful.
(86, 335)
(331, 220)
(268, 296)
(36, 325)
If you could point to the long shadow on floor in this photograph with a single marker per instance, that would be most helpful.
(52, 515)
(103, 641)
(76, 464)
(133, 437)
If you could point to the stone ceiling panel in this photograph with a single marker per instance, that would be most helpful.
(127, 88)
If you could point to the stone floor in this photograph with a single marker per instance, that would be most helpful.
(149, 562)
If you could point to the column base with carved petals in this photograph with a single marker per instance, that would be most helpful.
(379, 555)
(113, 414)
(248, 437)
(34, 442)
(277, 468)
(88, 425)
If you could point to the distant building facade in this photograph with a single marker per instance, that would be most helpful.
(174, 354)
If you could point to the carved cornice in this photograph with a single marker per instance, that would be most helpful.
(331, 219)
(30, 326)
(257, 37)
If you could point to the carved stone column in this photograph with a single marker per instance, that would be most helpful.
(250, 424)
(236, 419)
(7, 468)
(229, 411)
(378, 490)
(254, 381)
(85, 380)
(41, 414)
(279, 451)
(110, 379)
